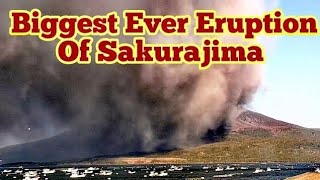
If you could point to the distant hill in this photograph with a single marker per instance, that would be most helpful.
(253, 138)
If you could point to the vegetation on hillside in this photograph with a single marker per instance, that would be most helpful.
(302, 145)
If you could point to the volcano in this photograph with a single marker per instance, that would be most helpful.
(251, 134)
(250, 120)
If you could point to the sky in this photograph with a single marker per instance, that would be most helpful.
(291, 88)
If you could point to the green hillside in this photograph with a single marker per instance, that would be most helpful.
(302, 145)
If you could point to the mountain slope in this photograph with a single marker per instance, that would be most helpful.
(292, 147)
(253, 138)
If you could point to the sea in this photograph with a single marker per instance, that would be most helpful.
(265, 171)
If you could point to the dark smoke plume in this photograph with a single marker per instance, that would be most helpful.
(117, 109)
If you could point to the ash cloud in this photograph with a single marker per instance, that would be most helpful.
(118, 109)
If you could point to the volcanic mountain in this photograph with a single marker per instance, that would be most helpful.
(250, 120)
(253, 137)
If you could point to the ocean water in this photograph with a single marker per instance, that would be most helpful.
(187, 172)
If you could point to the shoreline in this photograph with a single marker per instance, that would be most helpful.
(136, 161)
(175, 161)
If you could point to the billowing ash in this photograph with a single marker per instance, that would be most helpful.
(128, 108)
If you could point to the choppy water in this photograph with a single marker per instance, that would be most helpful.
(187, 172)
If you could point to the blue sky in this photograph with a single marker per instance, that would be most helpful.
(292, 73)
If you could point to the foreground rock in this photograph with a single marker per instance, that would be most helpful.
(306, 176)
